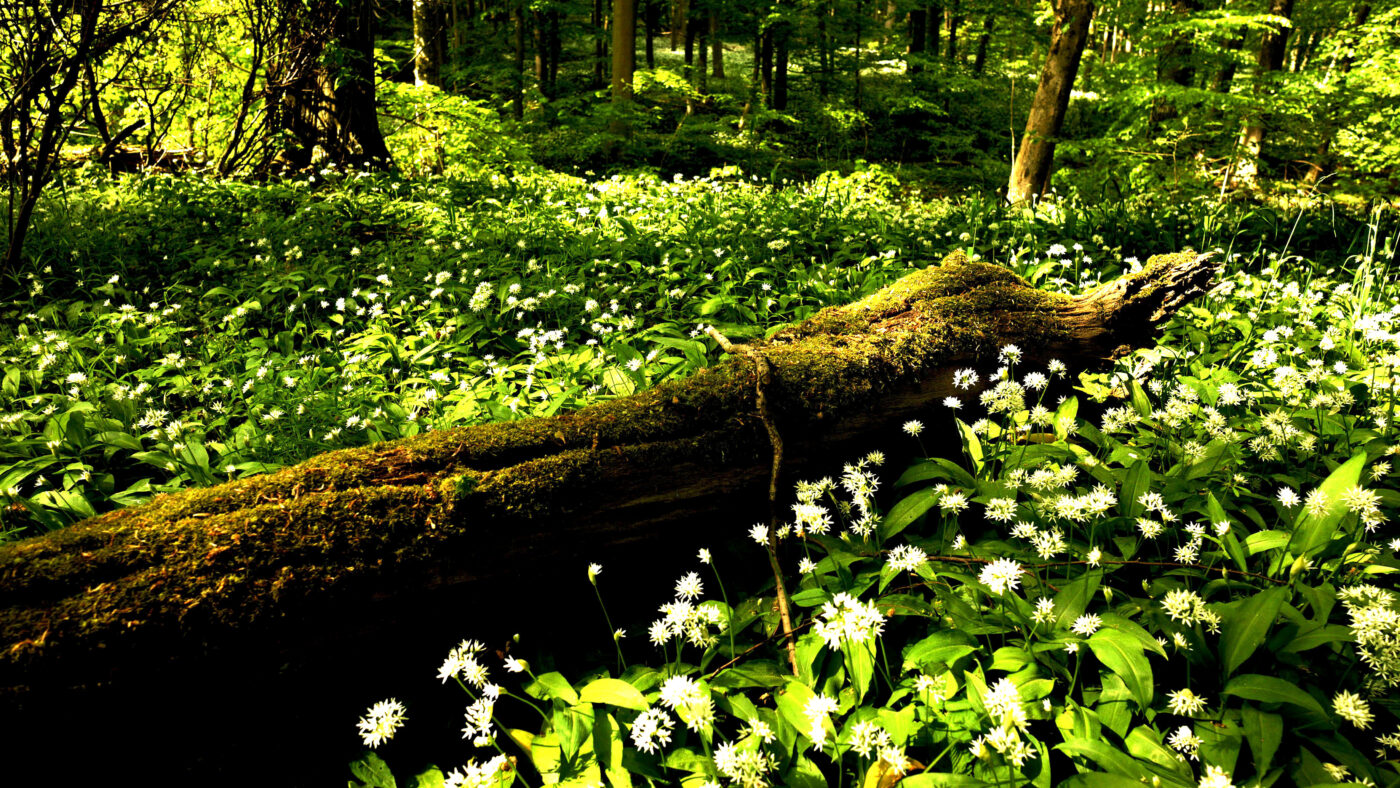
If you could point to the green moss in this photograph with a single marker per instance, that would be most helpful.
(236, 553)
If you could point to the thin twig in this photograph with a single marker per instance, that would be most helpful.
(764, 376)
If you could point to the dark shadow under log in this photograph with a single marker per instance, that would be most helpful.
(270, 565)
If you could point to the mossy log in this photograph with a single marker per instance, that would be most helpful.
(188, 573)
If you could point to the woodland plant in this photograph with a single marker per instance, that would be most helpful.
(300, 319)
(1194, 586)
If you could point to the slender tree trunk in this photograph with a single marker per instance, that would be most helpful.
(1224, 79)
(954, 19)
(556, 51)
(1271, 52)
(517, 102)
(538, 32)
(765, 65)
(600, 46)
(780, 65)
(935, 30)
(702, 55)
(624, 48)
(1030, 173)
(1174, 65)
(1330, 116)
(651, 19)
(918, 40)
(717, 47)
(979, 62)
(680, 15)
(428, 34)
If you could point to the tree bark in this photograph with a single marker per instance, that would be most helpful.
(717, 48)
(428, 34)
(517, 99)
(781, 41)
(918, 40)
(624, 49)
(1174, 66)
(194, 575)
(1030, 173)
(979, 61)
(1272, 49)
(954, 19)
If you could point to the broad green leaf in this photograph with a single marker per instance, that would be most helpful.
(1261, 541)
(1136, 481)
(909, 509)
(945, 780)
(1123, 655)
(1101, 780)
(1246, 626)
(1107, 757)
(553, 685)
(1074, 597)
(1264, 732)
(1313, 532)
(1141, 403)
(372, 772)
(614, 692)
(1332, 633)
(1268, 689)
(971, 444)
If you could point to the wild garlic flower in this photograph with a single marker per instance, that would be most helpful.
(689, 587)
(1216, 777)
(1376, 626)
(1044, 610)
(806, 566)
(1002, 510)
(746, 767)
(906, 558)
(1186, 743)
(381, 722)
(1183, 606)
(759, 533)
(965, 378)
(952, 502)
(1185, 702)
(1003, 703)
(593, 571)
(461, 661)
(652, 730)
(1086, 625)
(847, 619)
(1353, 708)
(477, 726)
(1000, 575)
(690, 700)
(868, 736)
(913, 427)
(817, 708)
(485, 775)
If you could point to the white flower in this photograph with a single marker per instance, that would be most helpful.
(805, 566)
(593, 571)
(846, 618)
(1352, 708)
(381, 722)
(1185, 702)
(1185, 742)
(759, 533)
(913, 427)
(704, 555)
(906, 558)
(952, 402)
(1003, 703)
(1216, 777)
(1044, 610)
(1086, 625)
(1000, 575)
(1288, 497)
(652, 729)
(514, 665)
(689, 587)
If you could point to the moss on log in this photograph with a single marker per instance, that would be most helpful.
(188, 572)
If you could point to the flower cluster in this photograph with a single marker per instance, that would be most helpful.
(846, 619)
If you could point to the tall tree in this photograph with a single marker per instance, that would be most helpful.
(1174, 60)
(47, 49)
(1272, 47)
(979, 62)
(429, 41)
(325, 106)
(1030, 173)
(1334, 92)
(918, 39)
(624, 50)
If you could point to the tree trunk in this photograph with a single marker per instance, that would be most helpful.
(1272, 49)
(1174, 65)
(624, 22)
(1030, 173)
(780, 65)
(192, 578)
(979, 62)
(918, 40)
(651, 19)
(935, 30)
(765, 64)
(717, 48)
(954, 19)
(1224, 79)
(517, 101)
(330, 117)
(538, 32)
(600, 43)
(702, 64)
(1330, 116)
(428, 35)
(680, 16)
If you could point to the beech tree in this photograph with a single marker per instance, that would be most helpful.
(1030, 173)
(1272, 48)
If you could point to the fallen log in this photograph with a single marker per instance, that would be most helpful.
(188, 574)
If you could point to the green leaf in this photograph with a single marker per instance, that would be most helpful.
(1122, 654)
(1101, 780)
(1102, 753)
(614, 692)
(1313, 532)
(371, 772)
(1247, 624)
(1135, 482)
(1141, 403)
(971, 444)
(1267, 689)
(945, 780)
(1074, 597)
(553, 685)
(1264, 732)
(909, 509)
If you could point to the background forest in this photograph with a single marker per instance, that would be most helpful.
(241, 234)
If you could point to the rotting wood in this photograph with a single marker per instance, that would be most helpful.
(187, 574)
